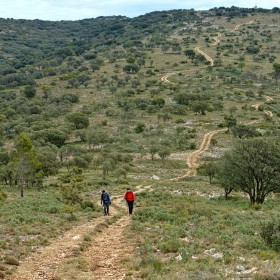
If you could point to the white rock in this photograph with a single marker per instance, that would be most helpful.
(210, 251)
(240, 268)
(155, 177)
(77, 237)
(249, 271)
(218, 256)
(179, 258)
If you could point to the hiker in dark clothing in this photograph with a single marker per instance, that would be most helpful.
(129, 197)
(106, 201)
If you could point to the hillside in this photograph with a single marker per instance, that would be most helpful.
(148, 102)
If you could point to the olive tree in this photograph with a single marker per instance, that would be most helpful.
(252, 166)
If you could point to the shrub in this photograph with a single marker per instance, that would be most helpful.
(3, 267)
(3, 195)
(11, 260)
(88, 204)
(171, 245)
(153, 262)
(270, 233)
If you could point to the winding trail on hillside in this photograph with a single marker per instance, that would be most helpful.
(267, 112)
(109, 247)
(194, 156)
(217, 40)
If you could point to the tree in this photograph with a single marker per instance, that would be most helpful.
(200, 107)
(230, 121)
(276, 67)
(54, 136)
(153, 150)
(190, 53)
(131, 68)
(242, 131)
(164, 153)
(47, 90)
(29, 91)
(253, 166)
(209, 169)
(71, 186)
(80, 120)
(120, 172)
(106, 167)
(27, 168)
(48, 157)
(96, 137)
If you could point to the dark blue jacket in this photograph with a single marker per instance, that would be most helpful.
(105, 198)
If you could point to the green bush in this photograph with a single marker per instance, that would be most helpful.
(87, 204)
(171, 245)
(270, 233)
(3, 195)
(153, 262)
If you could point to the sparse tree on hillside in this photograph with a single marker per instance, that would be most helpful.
(230, 121)
(242, 131)
(164, 153)
(29, 91)
(276, 67)
(80, 120)
(200, 107)
(252, 166)
(153, 150)
(27, 168)
(47, 90)
(190, 54)
(209, 169)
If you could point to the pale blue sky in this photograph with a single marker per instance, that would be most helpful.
(80, 9)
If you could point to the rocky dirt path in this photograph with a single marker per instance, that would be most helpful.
(108, 250)
(217, 39)
(44, 263)
(193, 157)
(267, 112)
(205, 55)
(103, 257)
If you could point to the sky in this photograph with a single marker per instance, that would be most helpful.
(81, 9)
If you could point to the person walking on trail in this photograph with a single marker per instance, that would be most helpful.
(105, 201)
(129, 197)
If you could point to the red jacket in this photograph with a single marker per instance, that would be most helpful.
(129, 196)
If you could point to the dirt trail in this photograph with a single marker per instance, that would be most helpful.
(267, 112)
(107, 251)
(193, 157)
(44, 263)
(165, 78)
(217, 39)
(103, 257)
(236, 28)
(205, 55)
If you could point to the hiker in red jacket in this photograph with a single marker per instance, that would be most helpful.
(129, 197)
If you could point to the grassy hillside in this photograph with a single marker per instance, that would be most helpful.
(113, 102)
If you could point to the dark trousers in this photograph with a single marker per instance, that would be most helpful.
(130, 206)
(106, 208)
